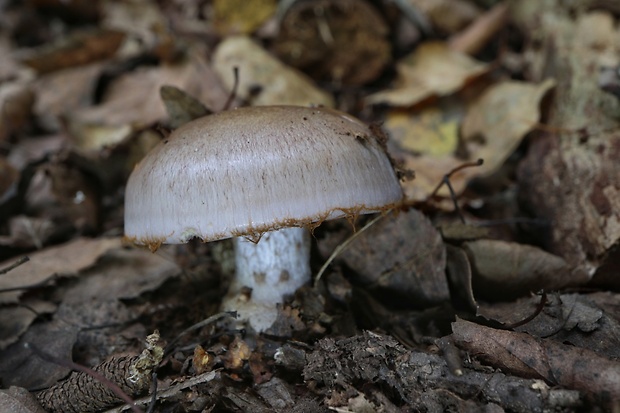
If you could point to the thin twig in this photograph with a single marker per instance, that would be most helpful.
(203, 323)
(447, 176)
(446, 181)
(539, 308)
(173, 391)
(14, 265)
(153, 402)
(233, 92)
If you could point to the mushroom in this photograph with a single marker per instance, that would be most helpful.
(263, 175)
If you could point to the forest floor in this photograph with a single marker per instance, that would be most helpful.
(493, 287)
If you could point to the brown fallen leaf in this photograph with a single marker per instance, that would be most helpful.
(66, 195)
(77, 49)
(94, 314)
(181, 106)
(493, 127)
(459, 275)
(402, 258)
(501, 117)
(19, 400)
(241, 16)
(264, 80)
(431, 131)
(558, 364)
(15, 320)
(238, 353)
(431, 70)
(63, 260)
(132, 101)
(64, 91)
(586, 321)
(477, 35)
(9, 178)
(16, 102)
(448, 16)
(507, 269)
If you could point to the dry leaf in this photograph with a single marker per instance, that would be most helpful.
(62, 260)
(75, 50)
(587, 321)
(493, 127)
(238, 353)
(403, 258)
(501, 117)
(133, 101)
(430, 131)
(9, 178)
(92, 312)
(560, 364)
(264, 80)
(506, 269)
(19, 400)
(15, 320)
(448, 15)
(16, 101)
(64, 91)
(458, 271)
(432, 70)
(143, 21)
(241, 16)
(181, 106)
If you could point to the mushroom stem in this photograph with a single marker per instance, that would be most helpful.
(273, 268)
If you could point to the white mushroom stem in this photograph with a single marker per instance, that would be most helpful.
(273, 268)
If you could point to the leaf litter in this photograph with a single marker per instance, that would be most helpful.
(419, 312)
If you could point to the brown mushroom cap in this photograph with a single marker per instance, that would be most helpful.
(246, 171)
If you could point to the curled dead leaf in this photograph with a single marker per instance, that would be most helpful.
(264, 80)
(506, 269)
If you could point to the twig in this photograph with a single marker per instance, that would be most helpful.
(14, 265)
(172, 391)
(539, 308)
(151, 407)
(446, 181)
(233, 92)
(203, 323)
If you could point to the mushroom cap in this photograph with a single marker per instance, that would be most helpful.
(250, 170)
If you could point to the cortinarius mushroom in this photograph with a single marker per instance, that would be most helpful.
(263, 175)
